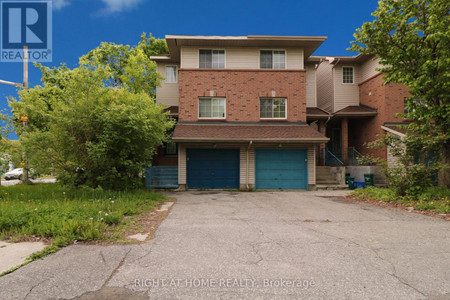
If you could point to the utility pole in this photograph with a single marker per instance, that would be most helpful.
(24, 119)
(23, 85)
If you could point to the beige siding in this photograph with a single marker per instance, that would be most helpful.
(244, 180)
(189, 57)
(241, 57)
(167, 93)
(295, 59)
(367, 69)
(345, 94)
(324, 79)
(311, 165)
(181, 164)
(311, 88)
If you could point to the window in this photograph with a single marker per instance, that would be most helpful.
(272, 108)
(211, 59)
(211, 108)
(405, 106)
(170, 148)
(347, 75)
(171, 74)
(272, 59)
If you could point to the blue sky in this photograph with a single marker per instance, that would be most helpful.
(80, 25)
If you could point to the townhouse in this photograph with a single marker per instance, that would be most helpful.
(262, 112)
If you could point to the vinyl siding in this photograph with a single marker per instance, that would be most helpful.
(324, 79)
(251, 166)
(367, 69)
(167, 93)
(311, 165)
(181, 164)
(242, 58)
(311, 89)
(345, 94)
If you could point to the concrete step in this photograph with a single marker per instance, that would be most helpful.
(326, 181)
(331, 186)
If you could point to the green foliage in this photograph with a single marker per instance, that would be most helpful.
(65, 214)
(153, 46)
(412, 38)
(96, 124)
(413, 169)
(436, 199)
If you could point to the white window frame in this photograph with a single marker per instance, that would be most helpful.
(212, 49)
(353, 74)
(176, 73)
(285, 58)
(224, 110)
(285, 108)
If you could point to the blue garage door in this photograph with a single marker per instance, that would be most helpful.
(212, 168)
(281, 169)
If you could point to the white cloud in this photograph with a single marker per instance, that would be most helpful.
(58, 4)
(111, 6)
(114, 6)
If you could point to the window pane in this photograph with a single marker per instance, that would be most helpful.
(347, 75)
(171, 74)
(218, 59)
(171, 148)
(279, 61)
(211, 108)
(265, 59)
(273, 108)
(205, 59)
(266, 108)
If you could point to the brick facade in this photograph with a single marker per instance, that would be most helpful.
(388, 100)
(242, 90)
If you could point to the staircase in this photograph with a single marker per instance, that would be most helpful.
(330, 178)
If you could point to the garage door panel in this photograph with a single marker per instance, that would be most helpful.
(213, 168)
(281, 169)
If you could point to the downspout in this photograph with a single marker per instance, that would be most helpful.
(247, 179)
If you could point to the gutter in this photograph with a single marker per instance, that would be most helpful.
(248, 149)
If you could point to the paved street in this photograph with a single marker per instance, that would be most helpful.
(261, 245)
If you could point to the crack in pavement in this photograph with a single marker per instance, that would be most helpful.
(116, 268)
(394, 270)
(103, 257)
(35, 286)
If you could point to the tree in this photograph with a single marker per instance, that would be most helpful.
(412, 38)
(97, 124)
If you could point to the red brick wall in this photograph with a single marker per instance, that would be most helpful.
(243, 90)
(388, 100)
(160, 159)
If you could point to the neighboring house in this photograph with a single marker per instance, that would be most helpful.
(362, 108)
(242, 110)
(260, 111)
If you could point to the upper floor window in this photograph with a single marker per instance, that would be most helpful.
(347, 75)
(272, 108)
(171, 74)
(211, 59)
(272, 59)
(211, 108)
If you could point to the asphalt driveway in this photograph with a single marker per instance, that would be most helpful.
(262, 245)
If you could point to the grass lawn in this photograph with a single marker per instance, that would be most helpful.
(434, 199)
(63, 215)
